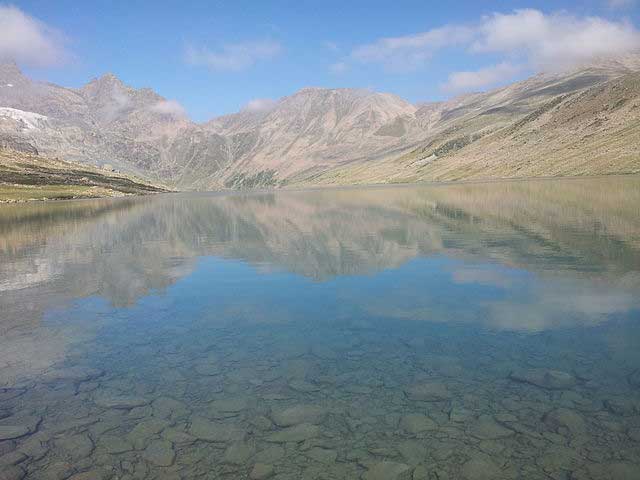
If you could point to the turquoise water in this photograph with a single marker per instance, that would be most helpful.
(478, 331)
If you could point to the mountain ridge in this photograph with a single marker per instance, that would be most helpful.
(314, 136)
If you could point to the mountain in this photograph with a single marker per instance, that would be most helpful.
(586, 123)
(577, 122)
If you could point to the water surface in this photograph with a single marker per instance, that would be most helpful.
(477, 331)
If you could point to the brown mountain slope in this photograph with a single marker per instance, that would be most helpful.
(591, 131)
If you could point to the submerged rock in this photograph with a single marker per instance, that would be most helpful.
(204, 429)
(12, 458)
(145, 430)
(634, 379)
(262, 423)
(622, 406)
(175, 435)
(428, 392)
(615, 471)
(10, 393)
(416, 423)
(95, 474)
(548, 379)
(297, 433)
(481, 468)
(72, 374)
(412, 451)
(114, 444)
(118, 401)
(160, 453)
(12, 472)
(9, 432)
(261, 471)
(167, 407)
(322, 455)
(229, 405)
(298, 414)
(208, 369)
(388, 471)
(486, 428)
(238, 453)
(270, 454)
(76, 447)
(303, 386)
(634, 434)
(563, 418)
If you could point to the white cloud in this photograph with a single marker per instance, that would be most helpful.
(556, 41)
(28, 41)
(529, 38)
(260, 105)
(410, 52)
(170, 108)
(478, 79)
(233, 57)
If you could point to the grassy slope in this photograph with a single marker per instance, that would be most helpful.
(25, 177)
(589, 132)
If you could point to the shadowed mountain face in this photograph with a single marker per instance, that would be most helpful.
(336, 136)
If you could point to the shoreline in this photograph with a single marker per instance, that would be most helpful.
(108, 193)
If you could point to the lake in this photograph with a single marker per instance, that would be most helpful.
(462, 331)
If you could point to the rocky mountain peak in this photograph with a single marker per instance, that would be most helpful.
(106, 84)
(10, 74)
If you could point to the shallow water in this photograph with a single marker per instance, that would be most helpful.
(479, 331)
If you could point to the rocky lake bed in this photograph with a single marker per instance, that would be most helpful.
(368, 406)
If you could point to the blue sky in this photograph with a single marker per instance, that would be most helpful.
(216, 56)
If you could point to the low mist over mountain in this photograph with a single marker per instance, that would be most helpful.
(586, 121)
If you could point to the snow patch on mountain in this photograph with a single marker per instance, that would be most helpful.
(30, 120)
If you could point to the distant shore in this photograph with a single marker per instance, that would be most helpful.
(25, 177)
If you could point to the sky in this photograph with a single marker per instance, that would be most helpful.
(216, 57)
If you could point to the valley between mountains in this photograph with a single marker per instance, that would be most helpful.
(582, 122)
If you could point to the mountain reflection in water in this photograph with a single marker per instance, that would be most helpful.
(525, 268)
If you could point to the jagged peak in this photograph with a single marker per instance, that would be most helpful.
(10, 73)
(108, 80)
